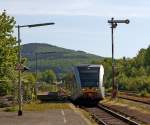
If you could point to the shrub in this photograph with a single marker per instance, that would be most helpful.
(144, 93)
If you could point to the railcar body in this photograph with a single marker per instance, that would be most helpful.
(88, 84)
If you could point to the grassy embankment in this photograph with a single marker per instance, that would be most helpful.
(127, 103)
(39, 107)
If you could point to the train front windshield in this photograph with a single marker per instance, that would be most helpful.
(89, 76)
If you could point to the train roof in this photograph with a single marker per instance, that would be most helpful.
(88, 65)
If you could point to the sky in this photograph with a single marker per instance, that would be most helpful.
(82, 24)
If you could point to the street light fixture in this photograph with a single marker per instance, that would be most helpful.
(37, 25)
(19, 61)
(114, 25)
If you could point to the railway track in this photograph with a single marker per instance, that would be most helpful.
(133, 97)
(105, 116)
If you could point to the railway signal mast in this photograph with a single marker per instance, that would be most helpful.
(114, 25)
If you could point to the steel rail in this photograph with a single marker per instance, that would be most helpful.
(98, 120)
(117, 115)
(135, 100)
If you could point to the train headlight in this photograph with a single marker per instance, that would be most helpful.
(83, 89)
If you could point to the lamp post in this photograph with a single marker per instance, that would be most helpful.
(19, 61)
(114, 25)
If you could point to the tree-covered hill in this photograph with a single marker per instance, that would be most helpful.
(57, 58)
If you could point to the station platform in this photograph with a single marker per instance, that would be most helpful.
(50, 117)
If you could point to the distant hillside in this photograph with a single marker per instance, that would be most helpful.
(57, 58)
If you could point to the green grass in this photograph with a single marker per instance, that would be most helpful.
(39, 107)
(10, 109)
(130, 104)
(45, 106)
(144, 93)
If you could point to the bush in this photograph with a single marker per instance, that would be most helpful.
(5, 88)
(144, 93)
(109, 90)
(10, 109)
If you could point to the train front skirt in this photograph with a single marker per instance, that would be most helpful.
(88, 99)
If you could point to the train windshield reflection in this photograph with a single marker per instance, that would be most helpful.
(89, 76)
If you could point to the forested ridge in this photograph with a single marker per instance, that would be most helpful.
(56, 58)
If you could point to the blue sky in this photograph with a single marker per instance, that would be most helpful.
(82, 24)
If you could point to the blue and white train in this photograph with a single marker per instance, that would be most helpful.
(88, 85)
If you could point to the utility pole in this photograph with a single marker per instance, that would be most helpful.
(114, 25)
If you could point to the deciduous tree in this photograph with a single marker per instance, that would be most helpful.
(8, 51)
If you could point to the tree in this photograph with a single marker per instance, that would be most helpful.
(29, 86)
(49, 76)
(69, 79)
(5, 88)
(8, 51)
(140, 58)
(147, 57)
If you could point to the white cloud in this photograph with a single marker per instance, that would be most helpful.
(74, 7)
